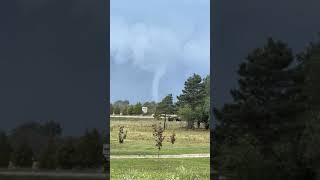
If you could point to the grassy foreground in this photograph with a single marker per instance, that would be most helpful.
(140, 140)
(160, 169)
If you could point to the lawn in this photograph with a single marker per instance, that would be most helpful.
(140, 140)
(160, 169)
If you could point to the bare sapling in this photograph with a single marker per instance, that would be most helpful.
(173, 138)
(158, 136)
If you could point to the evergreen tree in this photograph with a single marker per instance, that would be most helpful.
(5, 150)
(47, 158)
(130, 110)
(138, 109)
(66, 157)
(117, 109)
(89, 150)
(268, 98)
(193, 99)
(165, 107)
(22, 155)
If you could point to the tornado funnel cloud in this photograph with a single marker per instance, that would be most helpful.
(159, 73)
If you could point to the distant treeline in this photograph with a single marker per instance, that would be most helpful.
(271, 130)
(193, 103)
(42, 145)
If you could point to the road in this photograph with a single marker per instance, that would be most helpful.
(160, 156)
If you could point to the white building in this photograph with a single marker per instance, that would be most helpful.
(145, 110)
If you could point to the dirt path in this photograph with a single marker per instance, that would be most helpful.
(160, 156)
(132, 117)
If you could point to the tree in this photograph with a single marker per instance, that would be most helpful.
(117, 109)
(111, 109)
(193, 99)
(193, 92)
(267, 107)
(66, 157)
(268, 99)
(5, 150)
(47, 158)
(125, 110)
(35, 134)
(130, 110)
(89, 150)
(188, 114)
(137, 109)
(165, 107)
(151, 107)
(158, 136)
(52, 129)
(22, 155)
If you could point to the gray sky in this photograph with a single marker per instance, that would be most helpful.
(241, 26)
(53, 63)
(156, 45)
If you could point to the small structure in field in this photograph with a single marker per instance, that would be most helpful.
(145, 110)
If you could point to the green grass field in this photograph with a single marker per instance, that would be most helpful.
(161, 169)
(141, 142)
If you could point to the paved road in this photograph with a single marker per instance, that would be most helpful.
(160, 156)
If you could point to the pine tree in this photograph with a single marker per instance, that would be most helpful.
(165, 107)
(268, 98)
(5, 150)
(22, 155)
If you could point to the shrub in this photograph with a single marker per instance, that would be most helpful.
(122, 134)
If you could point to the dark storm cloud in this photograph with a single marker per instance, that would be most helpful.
(53, 63)
(240, 26)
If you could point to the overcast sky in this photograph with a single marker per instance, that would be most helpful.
(156, 45)
(53, 63)
(240, 26)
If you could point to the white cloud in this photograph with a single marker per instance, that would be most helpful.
(158, 48)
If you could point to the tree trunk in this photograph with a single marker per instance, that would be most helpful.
(190, 124)
(165, 119)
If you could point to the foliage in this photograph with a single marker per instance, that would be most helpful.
(188, 114)
(158, 136)
(122, 134)
(47, 158)
(193, 92)
(5, 150)
(66, 157)
(165, 107)
(137, 110)
(22, 156)
(89, 150)
(268, 99)
(194, 102)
